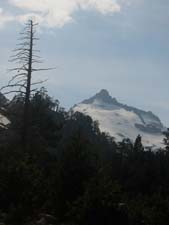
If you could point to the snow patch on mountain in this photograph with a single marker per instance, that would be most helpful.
(3, 120)
(122, 121)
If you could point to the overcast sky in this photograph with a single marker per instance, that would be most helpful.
(118, 45)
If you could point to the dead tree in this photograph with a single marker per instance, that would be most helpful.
(25, 55)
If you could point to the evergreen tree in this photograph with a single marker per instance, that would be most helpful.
(138, 147)
(166, 139)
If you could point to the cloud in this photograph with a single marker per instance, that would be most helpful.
(4, 18)
(57, 13)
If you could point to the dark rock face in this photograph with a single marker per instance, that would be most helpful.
(103, 96)
(148, 128)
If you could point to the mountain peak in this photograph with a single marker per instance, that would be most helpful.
(104, 92)
(122, 121)
(102, 96)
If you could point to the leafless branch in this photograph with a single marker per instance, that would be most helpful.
(39, 82)
(36, 70)
(16, 91)
(26, 56)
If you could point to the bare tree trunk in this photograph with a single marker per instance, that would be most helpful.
(28, 92)
(26, 56)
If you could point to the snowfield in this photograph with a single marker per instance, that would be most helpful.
(121, 123)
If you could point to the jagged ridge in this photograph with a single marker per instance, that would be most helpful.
(121, 120)
(104, 97)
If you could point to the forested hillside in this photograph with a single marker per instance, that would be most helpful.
(71, 173)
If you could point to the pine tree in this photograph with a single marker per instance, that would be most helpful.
(138, 144)
(166, 139)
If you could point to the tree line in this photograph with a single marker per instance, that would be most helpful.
(75, 173)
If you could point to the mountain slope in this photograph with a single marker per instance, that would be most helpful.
(3, 120)
(3, 102)
(122, 121)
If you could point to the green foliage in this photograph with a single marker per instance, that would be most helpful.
(73, 172)
(138, 144)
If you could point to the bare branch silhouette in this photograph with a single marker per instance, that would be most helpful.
(25, 55)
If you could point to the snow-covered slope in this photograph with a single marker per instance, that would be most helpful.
(122, 121)
(3, 120)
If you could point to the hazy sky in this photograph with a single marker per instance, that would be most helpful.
(118, 45)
